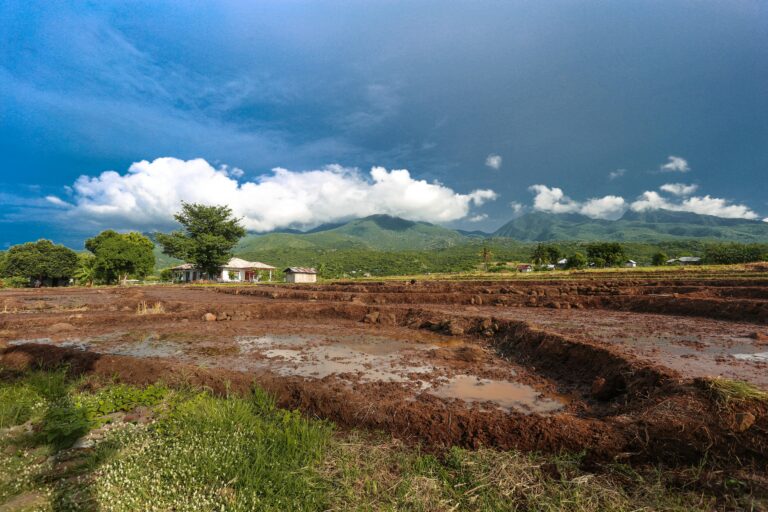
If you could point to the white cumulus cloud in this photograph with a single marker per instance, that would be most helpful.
(679, 189)
(493, 161)
(675, 164)
(147, 196)
(553, 200)
(479, 217)
(516, 207)
(705, 205)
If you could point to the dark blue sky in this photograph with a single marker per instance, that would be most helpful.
(565, 92)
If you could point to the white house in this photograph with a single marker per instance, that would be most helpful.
(300, 275)
(630, 264)
(235, 270)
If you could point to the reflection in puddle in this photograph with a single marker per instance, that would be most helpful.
(504, 394)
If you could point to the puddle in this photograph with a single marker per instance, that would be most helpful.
(759, 357)
(512, 396)
(374, 359)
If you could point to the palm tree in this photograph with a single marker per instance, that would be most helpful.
(86, 270)
(486, 255)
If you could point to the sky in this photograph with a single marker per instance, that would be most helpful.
(297, 113)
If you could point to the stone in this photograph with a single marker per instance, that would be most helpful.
(598, 387)
(209, 317)
(760, 337)
(744, 420)
(83, 444)
(61, 327)
(372, 317)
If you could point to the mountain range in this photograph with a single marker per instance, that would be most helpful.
(393, 234)
(386, 233)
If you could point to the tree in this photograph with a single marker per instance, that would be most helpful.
(119, 256)
(576, 260)
(544, 254)
(210, 233)
(86, 269)
(729, 253)
(608, 254)
(486, 255)
(42, 260)
(659, 259)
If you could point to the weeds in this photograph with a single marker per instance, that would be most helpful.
(241, 453)
(727, 391)
(156, 309)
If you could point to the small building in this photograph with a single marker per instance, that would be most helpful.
(235, 270)
(630, 264)
(685, 260)
(300, 275)
(525, 268)
(562, 262)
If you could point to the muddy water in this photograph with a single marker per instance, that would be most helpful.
(503, 394)
(355, 357)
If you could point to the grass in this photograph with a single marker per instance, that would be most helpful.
(728, 391)
(156, 309)
(196, 451)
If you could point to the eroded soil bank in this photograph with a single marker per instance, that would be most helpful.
(440, 364)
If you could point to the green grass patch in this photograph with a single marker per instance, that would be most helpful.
(199, 452)
(728, 391)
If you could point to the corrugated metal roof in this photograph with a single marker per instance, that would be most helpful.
(300, 270)
(244, 264)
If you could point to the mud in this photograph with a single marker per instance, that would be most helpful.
(535, 365)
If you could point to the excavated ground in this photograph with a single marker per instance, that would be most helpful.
(614, 367)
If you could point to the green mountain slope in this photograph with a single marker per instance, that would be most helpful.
(377, 232)
(659, 225)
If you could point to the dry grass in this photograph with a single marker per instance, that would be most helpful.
(156, 309)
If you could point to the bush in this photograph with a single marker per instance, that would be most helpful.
(14, 282)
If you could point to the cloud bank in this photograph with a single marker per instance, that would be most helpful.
(553, 200)
(148, 195)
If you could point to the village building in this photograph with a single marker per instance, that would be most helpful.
(300, 275)
(235, 270)
(525, 268)
(630, 264)
(685, 260)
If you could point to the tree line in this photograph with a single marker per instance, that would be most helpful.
(209, 234)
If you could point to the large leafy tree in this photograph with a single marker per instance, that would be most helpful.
(209, 234)
(42, 260)
(544, 254)
(609, 254)
(119, 256)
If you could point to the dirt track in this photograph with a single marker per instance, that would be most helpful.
(613, 367)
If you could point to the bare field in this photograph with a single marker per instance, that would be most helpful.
(619, 368)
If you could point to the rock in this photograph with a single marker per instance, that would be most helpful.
(83, 444)
(61, 327)
(209, 317)
(372, 317)
(140, 414)
(454, 330)
(760, 337)
(223, 317)
(485, 324)
(744, 420)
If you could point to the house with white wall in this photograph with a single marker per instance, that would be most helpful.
(236, 270)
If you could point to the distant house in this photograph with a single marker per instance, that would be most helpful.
(549, 266)
(525, 268)
(630, 264)
(562, 262)
(235, 270)
(300, 275)
(685, 260)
